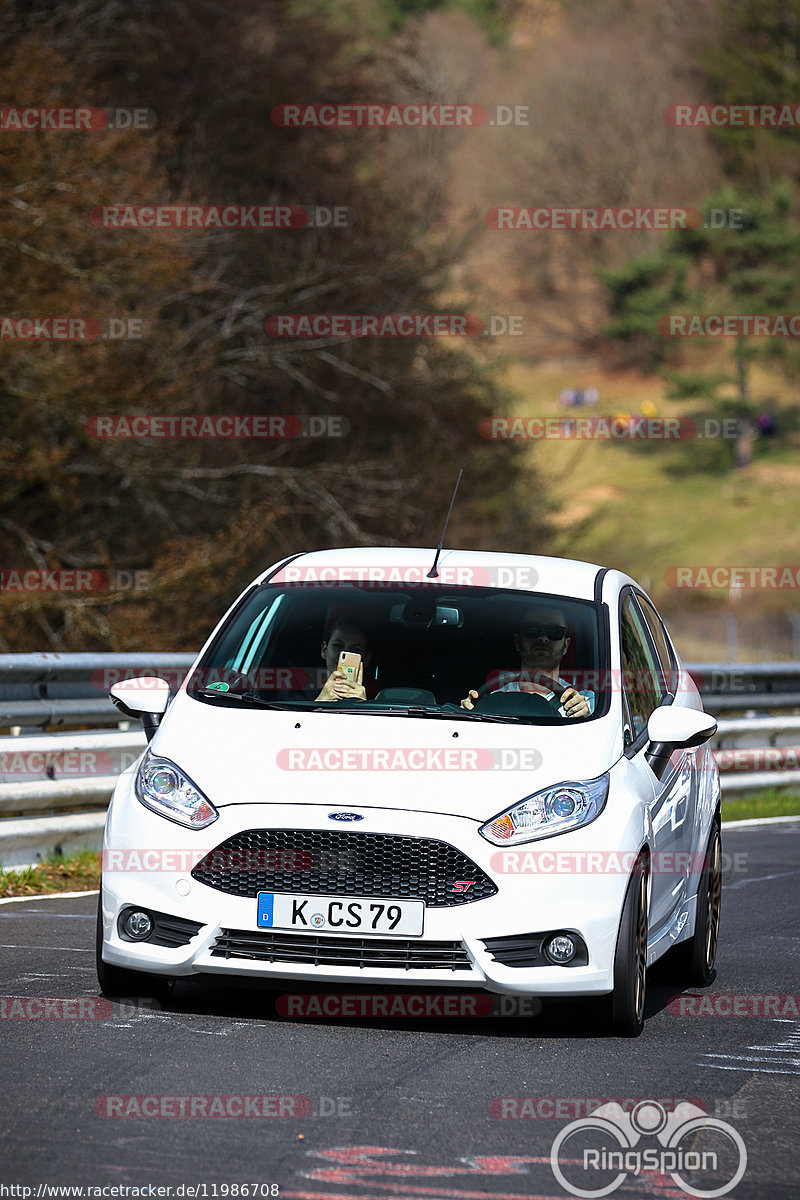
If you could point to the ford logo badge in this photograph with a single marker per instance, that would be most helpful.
(345, 816)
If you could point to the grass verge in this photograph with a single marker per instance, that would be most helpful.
(57, 873)
(772, 802)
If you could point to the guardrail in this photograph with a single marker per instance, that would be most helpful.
(55, 787)
(47, 690)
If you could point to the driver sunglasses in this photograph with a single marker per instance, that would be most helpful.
(553, 633)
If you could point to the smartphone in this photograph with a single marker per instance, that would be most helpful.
(351, 666)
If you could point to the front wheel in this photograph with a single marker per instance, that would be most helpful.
(121, 981)
(623, 1010)
(693, 961)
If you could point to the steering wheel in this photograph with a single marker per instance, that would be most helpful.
(553, 704)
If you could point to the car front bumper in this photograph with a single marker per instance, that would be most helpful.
(147, 863)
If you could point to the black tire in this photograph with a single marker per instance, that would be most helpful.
(623, 1011)
(121, 982)
(692, 962)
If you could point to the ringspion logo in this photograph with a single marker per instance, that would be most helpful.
(595, 1155)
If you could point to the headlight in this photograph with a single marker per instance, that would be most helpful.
(546, 813)
(164, 788)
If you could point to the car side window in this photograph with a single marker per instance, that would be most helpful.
(659, 637)
(642, 676)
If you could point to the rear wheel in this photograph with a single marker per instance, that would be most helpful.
(122, 982)
(623, 1010)
(692, 962)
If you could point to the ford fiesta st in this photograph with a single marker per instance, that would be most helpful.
(390, 767)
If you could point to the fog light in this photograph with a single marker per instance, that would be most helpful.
(560, 949)
(137, 925)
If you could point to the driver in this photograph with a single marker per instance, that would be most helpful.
(344, 633)
(542, 642)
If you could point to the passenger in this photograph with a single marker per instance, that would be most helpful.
(344, 633)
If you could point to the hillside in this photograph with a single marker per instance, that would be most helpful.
(647, 507)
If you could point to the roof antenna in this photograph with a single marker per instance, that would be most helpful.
(433, 573)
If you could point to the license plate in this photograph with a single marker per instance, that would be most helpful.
(338, 914)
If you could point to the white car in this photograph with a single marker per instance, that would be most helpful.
(509, 789)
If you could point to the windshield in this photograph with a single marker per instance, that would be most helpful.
(465, 653)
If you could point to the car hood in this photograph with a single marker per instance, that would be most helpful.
(246, 756)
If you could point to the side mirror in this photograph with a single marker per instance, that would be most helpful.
(144, 699)
(674, 727)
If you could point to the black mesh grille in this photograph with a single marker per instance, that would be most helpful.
(343, 863)
(389, 953)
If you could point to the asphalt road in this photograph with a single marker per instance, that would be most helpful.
(438, 1109)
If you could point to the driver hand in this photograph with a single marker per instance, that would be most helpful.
(338, 687)
(574, 704)
(469, 701)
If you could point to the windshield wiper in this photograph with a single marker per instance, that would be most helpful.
(251, 698)
(459, 714)
(416, 710)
